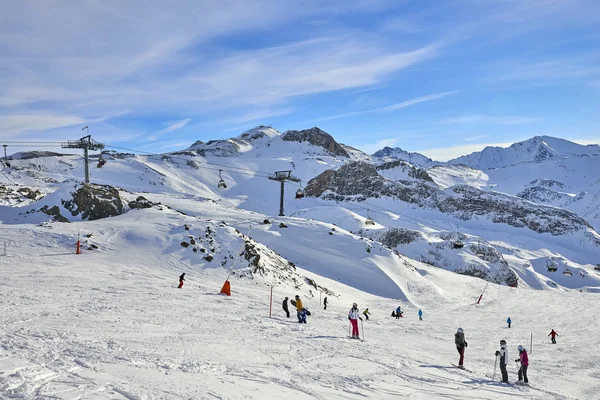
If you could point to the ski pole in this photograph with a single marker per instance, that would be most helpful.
(363, 329)
(348, 328)
(495, 364)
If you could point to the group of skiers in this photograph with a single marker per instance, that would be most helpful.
(301, 311)
(522, 361)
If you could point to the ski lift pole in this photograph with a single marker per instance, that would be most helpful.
(531, 344)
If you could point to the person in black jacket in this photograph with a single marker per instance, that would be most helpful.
(181, 279)
(325, 304)
(285, 307)
(461, 343)
(503, 353)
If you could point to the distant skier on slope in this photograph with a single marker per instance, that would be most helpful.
(325, 304)
(398, 312)
(509, 321)
(503, 353)
(181, 279)
(285, 307)
(300, 311)
(524, 360)
(354, 316)
(553, 334)
(461, 344)
(420, 315)
(366, 313)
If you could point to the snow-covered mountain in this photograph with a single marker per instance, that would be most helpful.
(389, 153)
(536, 149)
(110, 324)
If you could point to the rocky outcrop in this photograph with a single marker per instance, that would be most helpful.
(94, 202)
(411, 170)
(316, 137)
(359, 181)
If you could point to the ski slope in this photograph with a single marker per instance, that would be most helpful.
(110, 323)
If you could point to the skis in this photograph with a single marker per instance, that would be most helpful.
(356, 338)
(463, 368)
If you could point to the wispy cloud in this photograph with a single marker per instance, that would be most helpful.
(20, 123)
(469, 139)
(448, 153)
(172, 126)
(392, 107)
(490, 119)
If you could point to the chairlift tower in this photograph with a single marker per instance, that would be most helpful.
(86, 143)
(282, 176)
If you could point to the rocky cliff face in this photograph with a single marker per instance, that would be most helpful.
(316, 137)
(359, 181)
(397, 153)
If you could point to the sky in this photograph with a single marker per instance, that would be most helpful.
(444, 78)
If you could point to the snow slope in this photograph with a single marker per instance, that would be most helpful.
(110, 324)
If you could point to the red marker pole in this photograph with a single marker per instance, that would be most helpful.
(78, 245)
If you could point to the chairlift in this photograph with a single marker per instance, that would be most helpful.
(369, 220)
(101, 161)
(221, 184)
(551, 265)
(567, 271)
(300, 192)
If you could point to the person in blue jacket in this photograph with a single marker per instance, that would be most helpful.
(420, 315)
(509, 321)
(398, 312)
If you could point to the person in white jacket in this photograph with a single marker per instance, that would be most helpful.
(503, 353)
(354, 316)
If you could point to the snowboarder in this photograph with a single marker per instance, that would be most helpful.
(354, 316)
(300, 312)
(366, 313)
(420, 315)
(181, 279)
(285, 307)
(461, 344)
(554, 334)
(524, 360)
(503, 353)
(325, 304)
(398, 312)
(509, 321)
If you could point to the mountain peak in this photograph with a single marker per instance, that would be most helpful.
(259, 132)
(535, 149)
(316, 137)
(399, 154)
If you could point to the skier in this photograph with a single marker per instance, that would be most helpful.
(325, 304)
(300, 311)
(459, 340)
(285, 307)
(366, 313)
(524, 360)
(503, 353)
(554, 334)
(354, 316)
(509, 321)
(420, 315)
(398, 312)
(181, 279)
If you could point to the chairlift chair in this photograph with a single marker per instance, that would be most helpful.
(551, 265)
(300, 192)
(221, 184)
(369, 220)
(101, 161)
(567, 271)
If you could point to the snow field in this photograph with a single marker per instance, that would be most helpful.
(110, 324)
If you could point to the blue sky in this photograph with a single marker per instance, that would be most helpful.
(441, 77)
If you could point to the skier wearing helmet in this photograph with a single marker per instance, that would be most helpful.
(524, 360)
(459, 340)
(354, 316)
(503, 353)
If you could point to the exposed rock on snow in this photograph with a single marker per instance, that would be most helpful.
(94, 202)
(316, 137)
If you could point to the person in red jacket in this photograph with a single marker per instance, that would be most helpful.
(181, 279)
(553, 334)
(524, 360)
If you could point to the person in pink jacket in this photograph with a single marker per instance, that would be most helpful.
(524, 360)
